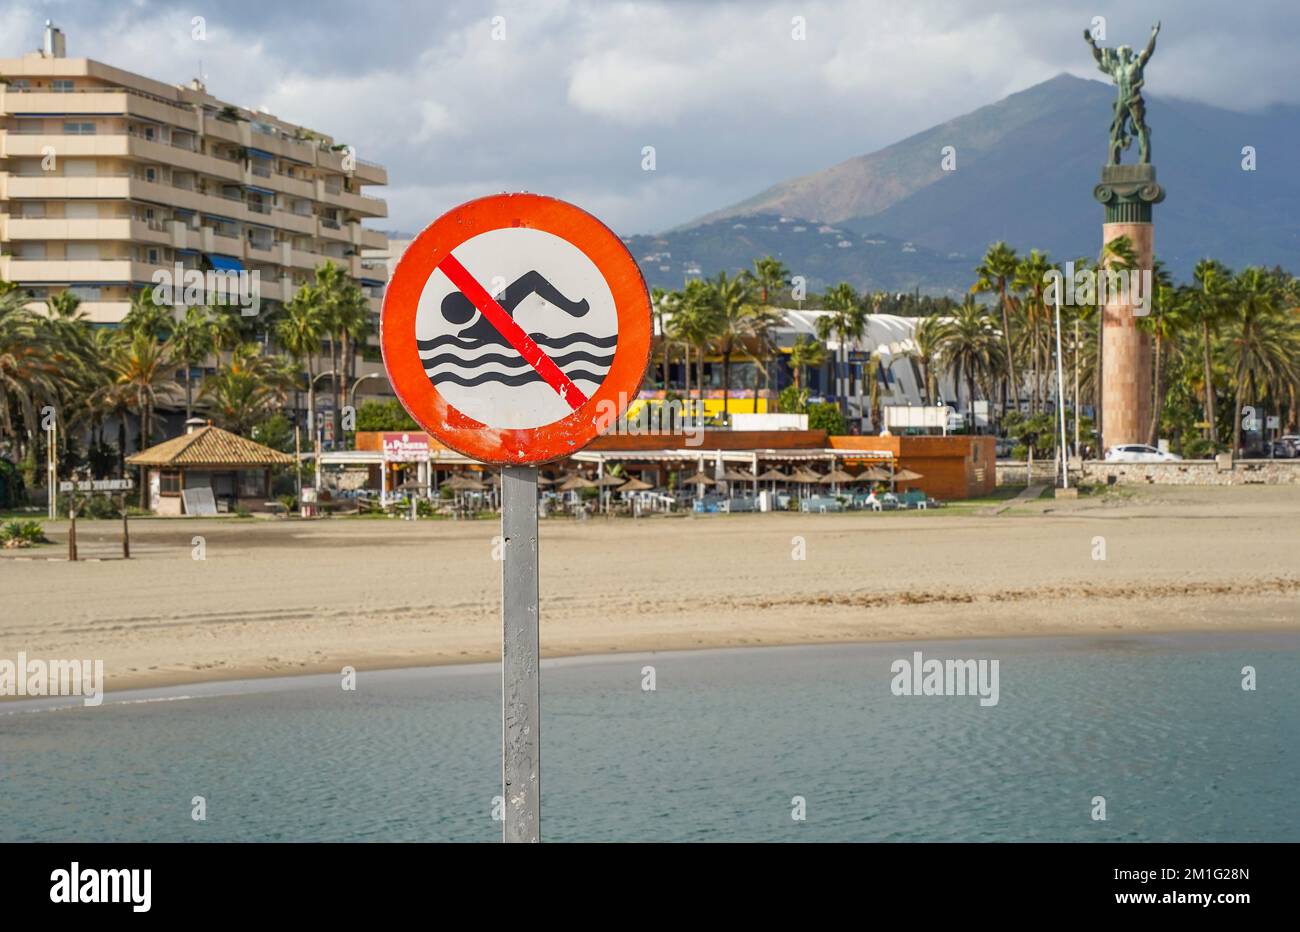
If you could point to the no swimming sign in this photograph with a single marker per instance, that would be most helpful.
(510, 322)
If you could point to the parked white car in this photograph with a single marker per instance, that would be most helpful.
(1140, 453)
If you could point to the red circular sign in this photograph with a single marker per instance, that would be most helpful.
(516, 328)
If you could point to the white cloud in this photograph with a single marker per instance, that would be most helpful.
(729, 99)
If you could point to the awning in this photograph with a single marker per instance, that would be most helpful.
(225, 263)
(219, 217)
(260, 154)
(373, 283)
(253, 187)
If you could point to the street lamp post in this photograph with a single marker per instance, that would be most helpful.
(311, 424)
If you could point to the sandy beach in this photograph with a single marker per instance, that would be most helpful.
(273, 597)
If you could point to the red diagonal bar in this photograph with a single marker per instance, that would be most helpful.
(533, 354)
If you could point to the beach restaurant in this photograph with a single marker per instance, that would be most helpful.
(235, 471)
(948, 468)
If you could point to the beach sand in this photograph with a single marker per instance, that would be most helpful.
(274, 597)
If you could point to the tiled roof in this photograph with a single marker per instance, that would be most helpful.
(209, 446)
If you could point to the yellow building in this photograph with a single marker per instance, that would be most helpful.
(107, 177)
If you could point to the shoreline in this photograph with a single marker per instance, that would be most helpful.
(262, 682)
(272, 599)
(363, 662)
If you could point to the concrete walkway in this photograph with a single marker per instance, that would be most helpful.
(1028, 495)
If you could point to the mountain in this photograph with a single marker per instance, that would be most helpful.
(822, 253)
(1026, 168)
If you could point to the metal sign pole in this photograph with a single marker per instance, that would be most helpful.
(520, 681)
(1060, 393)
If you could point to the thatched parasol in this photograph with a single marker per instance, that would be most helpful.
(635, 485)
(699, 479)
(873, 474)
(906, 475)
(805, 475)
(464, 484)
(610, 481)
(773, 475)
(574, 482)
(836, 476)
(736, 475)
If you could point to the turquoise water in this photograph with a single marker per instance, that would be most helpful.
(1159, 726)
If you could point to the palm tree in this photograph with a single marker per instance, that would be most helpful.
(140, 368)
(994, 275)
(192, 340)
(971, 348)
(660, 300)
(299, 331)
(770, 277)
(847, 321)
(803, 354)
(30, 374)
(63, 304)
(1211, 304)
(1165, 323)
(762, 325)
(1256, 346)
(146, 316)
(334, 290)
(927, 338)
(248, 389)
(734, 307)
(693, 324)
(1031, 281)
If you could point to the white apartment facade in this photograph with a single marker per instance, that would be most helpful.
(107, 176)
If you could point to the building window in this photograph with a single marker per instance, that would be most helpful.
(61, 85)
(79, 129)
(169, 482)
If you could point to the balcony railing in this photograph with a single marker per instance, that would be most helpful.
(145, 95)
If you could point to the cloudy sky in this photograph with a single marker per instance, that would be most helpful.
(568, 96)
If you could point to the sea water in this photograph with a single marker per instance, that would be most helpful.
(769, 744)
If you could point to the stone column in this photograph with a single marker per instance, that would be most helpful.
(1128, 192)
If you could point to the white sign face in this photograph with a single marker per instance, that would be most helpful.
(98, 485)
(553, 292)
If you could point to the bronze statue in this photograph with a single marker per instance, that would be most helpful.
(1126, 70)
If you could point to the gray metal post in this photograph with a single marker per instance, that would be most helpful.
(520, 682)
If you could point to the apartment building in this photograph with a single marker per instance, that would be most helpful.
(108, 176)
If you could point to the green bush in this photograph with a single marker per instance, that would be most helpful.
(384, 415)
(101, 507)
(828, 417)
(793, 400)
(1198, 448)
(22, 534)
